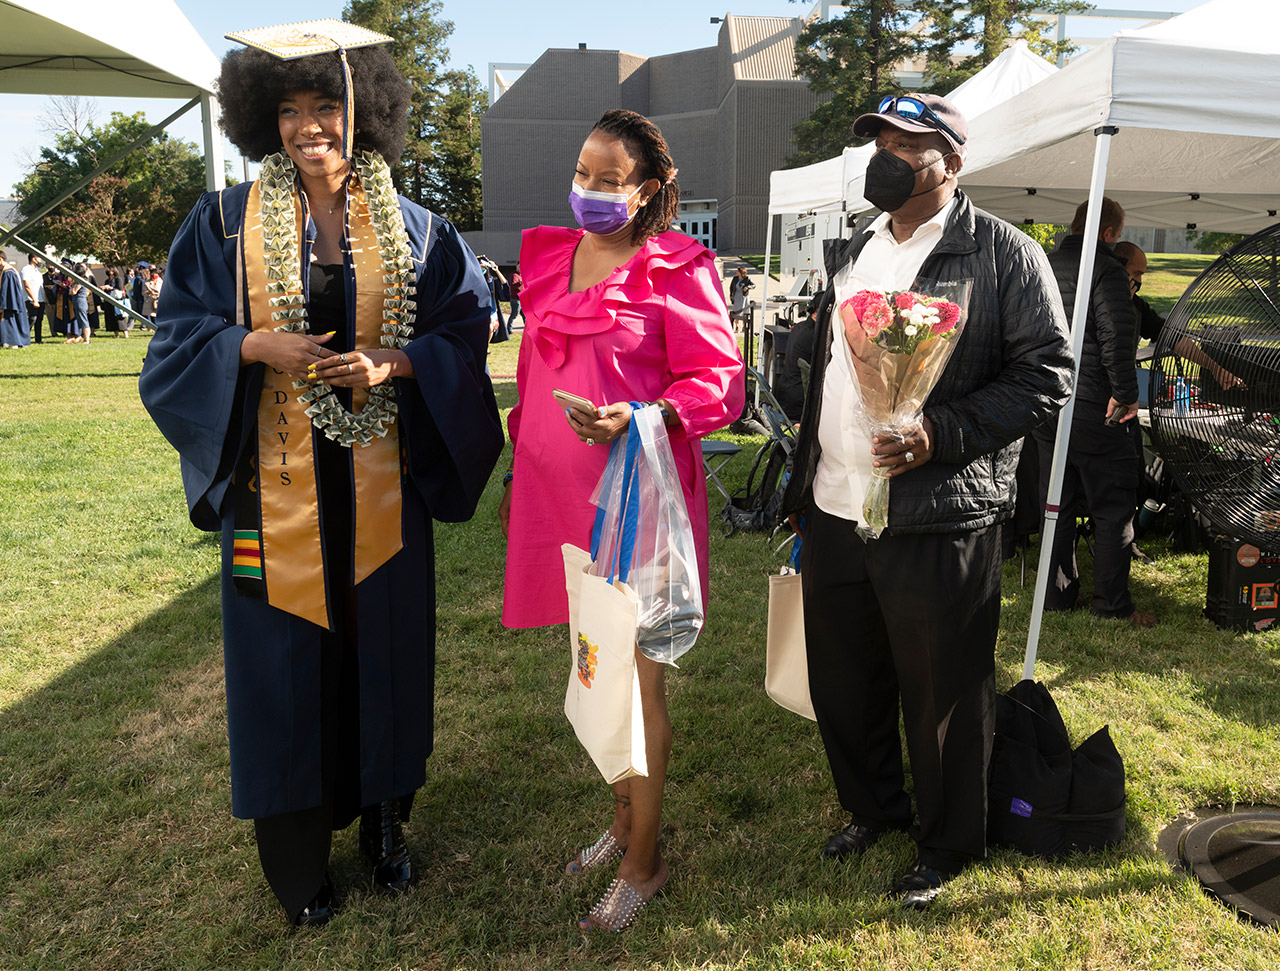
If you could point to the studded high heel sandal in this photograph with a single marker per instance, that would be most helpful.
(619, 907)
(604, 850)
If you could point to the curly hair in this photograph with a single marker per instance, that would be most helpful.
(252, 84)
(647, 146)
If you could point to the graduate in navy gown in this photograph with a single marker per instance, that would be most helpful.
(14, 329)
(319, 365)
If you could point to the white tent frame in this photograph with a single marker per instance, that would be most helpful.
(41, 54)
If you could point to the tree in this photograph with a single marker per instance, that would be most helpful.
(850, 59)
(440, 168)
(1213, 242)
(987, 26)
(128, 213)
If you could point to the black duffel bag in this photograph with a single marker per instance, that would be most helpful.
(1043, 798)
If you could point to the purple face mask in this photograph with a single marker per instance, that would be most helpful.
(601, 213)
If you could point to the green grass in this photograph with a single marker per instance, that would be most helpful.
(118, 849)
(1168, 274)
(757, 260)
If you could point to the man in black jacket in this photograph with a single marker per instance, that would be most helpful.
(1101, 477)
(911, 618)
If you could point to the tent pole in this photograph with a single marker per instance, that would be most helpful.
(215, 166)
(764, 300)
(7, 234)
(1084, 288)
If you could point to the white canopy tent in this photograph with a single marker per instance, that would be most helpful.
(43, 52)
(1180, 121)
(40, 53)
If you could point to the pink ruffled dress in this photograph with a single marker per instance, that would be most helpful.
(657, 327)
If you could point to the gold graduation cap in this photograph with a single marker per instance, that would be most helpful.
(309, 38)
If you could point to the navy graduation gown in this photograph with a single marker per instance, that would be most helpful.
(205, 404)
(14, 329)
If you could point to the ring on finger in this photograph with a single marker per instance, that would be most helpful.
(908, 456)
(591, 441)
(342, 358)
(348, 368)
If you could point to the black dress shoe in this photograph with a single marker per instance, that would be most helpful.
(854, 840)
(320, 909)
(382, 841)
(917, 888)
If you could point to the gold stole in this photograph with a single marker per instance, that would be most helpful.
(292, 561)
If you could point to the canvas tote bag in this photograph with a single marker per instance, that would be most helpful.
(786, 678)
(602, 700)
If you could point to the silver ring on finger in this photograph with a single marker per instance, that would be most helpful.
(342, 358)
(909, 456)
(591, 441)
(348, 368)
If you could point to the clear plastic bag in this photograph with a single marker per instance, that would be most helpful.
(643, 537)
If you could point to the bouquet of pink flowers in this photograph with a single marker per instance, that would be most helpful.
(900, 342)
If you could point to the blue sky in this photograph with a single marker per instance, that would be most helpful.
(485, 31)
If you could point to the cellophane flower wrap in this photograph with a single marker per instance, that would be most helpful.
(900, 342)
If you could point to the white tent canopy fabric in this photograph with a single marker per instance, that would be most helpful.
(42, 53)
(836, 184)
(1194, 99)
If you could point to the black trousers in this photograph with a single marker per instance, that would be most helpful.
(35, 317)
(906, 621)
(1101, 481)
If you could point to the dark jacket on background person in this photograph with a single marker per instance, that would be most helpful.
(1107, 368)
(1149, 322)
(1010, 372)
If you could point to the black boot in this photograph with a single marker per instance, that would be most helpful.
(382, 841)
(320, 910)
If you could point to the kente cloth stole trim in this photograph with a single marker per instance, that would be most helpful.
(292, 554)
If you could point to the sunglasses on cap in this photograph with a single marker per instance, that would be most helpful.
(913, 109)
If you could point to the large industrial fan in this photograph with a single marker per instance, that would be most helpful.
(1215, 420)
(1215, 391)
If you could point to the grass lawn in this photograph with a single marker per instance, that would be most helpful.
(119, 850)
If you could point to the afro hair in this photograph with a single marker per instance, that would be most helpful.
(252, 84)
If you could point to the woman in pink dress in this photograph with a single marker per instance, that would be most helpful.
(620, 310)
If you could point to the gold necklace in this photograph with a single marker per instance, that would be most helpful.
(282, 252)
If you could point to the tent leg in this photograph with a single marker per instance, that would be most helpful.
(764, 299)
(1084, 287)
(215, 166)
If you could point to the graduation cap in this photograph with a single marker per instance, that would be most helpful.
(309, 38)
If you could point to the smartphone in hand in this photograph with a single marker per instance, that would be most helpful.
(568, 399)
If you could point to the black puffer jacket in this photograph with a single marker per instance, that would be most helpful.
(1107, 368)
(1009, 372)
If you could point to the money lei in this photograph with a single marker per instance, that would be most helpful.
(284, 286)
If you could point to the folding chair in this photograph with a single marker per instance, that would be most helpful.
(715, 456)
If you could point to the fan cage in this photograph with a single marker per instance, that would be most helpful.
(1219, 433)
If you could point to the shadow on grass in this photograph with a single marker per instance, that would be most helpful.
(113, 376)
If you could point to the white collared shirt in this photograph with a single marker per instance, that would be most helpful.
(844, 468)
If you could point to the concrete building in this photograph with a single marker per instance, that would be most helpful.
(726, 111)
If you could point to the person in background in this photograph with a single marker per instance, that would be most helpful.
(516, 284)
(14, 329)
(78, 330)
(1100, 475)
(739, 287)
(499, 290)
(328, 570)
(33, 284)
(623, 309)
(906, 624)
(151, 294)
(793, 382)
(138, 291)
